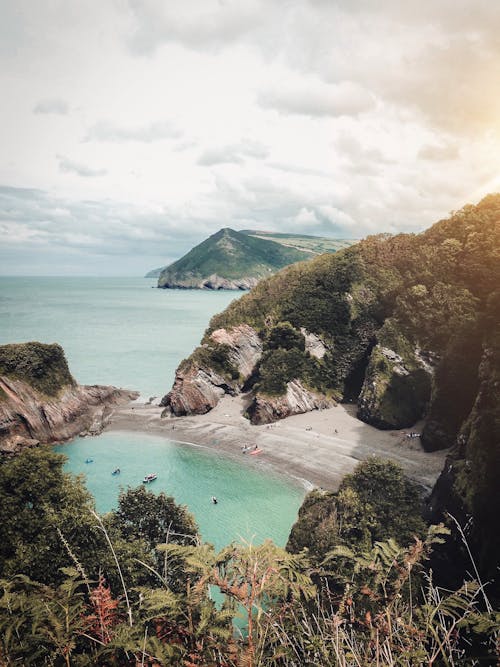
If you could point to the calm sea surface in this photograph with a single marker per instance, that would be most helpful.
(120, 331)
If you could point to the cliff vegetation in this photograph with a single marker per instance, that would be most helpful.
(135, 586)
(43, 367)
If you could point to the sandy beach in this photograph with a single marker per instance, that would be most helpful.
(318, 448)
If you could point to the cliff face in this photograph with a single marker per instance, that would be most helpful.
(213, 282)
(468, 486)
(297, 400)
(41, 403)
(220, 367)
(226, 365)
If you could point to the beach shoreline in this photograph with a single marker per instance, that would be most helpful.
(316, 449)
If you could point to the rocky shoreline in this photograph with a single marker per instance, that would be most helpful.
(29, 418)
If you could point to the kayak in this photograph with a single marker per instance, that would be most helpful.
(256, 451)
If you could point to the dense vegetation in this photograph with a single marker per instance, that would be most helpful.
(230, 255)
(134, 587)
(411, 327)
(42, 366)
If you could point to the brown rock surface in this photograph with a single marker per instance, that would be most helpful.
(195, 392)
(197, 389)
(296, 401)
(245, 347)
(28, 417)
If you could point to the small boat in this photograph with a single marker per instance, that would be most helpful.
(116, 471)
(89, 460)
(256, 451)
(150, 478)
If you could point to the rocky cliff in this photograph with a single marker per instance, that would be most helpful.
(212, 282)
(296, 400)
(41, 403)
(375, 324)
(221, 366)
(467, 489)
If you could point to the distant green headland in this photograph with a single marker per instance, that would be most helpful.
(238, 260)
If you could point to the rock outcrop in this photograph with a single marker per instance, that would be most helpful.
(296, 401)
(28, 417)
(212, 282)
(244, 347)
(395, 391)
(219, 367)
(195, 392)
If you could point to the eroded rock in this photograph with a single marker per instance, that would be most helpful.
(28, 417)
(314, 344)
(195, 392)
(297, 400)
(245, 347)
(198, 387)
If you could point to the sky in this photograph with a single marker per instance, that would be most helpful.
(133, 129)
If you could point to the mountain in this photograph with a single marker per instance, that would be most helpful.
(406, 327)
(229, 260)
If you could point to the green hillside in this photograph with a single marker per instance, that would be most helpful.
(411, 327)
(229, 260)
(314, 244)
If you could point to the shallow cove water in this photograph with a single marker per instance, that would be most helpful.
(120, 331)
(251, 506)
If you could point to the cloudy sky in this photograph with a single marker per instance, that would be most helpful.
(132, 129)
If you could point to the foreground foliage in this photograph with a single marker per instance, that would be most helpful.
(137, 587)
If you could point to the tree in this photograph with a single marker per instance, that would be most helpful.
(40, 506)
(153, 519)
(376, 502)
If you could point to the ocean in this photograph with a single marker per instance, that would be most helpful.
(121, 331)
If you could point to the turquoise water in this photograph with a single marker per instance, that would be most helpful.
(251, 505)
(120, 331)
(116, 331)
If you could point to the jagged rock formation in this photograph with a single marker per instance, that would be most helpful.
(220, 367)
(41, 403)
(212, 282)
(296, 401)
(229, 260)
(195, 391)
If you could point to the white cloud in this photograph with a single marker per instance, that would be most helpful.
(210, 24)
(54, 105)
(234, 154)
(68, 166)
(175, 119)
(315, 99)
(154, 131)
